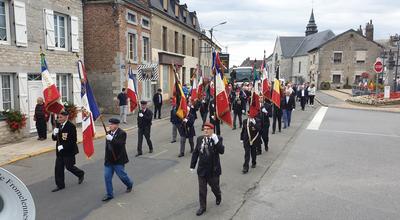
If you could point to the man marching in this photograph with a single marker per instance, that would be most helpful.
(66, 148)
(250, 136)
(144, 127)
(264, 115)
(115, 159)
(208, 148)
(187, 131)
(238, 106)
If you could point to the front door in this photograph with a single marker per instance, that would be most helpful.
(35, 91)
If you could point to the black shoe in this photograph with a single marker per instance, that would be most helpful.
(245, 170)
(218, 200)
(266, 148)
(280, 131)
(273, 132)
(150, 151)
(173, 142)
(253, 165)
(106, 198)
(181, 155)
(159, 117)
(81, 179)
(129, 189)
(57, 189)
(234, 128)
(138, 154)
(200, 211)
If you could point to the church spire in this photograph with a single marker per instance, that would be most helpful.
(311, 26)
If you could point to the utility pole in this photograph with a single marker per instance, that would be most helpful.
(397, 38)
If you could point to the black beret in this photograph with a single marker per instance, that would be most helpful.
(113, 121)
(143, 102)
(65, 113)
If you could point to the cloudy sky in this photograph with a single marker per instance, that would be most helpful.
(253, 26)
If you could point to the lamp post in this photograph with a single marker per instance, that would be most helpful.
(396, 38)
(215, 76)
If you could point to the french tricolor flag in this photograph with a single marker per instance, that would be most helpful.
(131, 90)
(50, 92)
(90, 111)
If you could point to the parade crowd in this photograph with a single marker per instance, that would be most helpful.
(205, 150)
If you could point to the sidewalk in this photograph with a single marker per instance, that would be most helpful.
(31, 147)
(337, 98)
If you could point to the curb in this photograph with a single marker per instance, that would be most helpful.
(320, 102)
(50, 149)
(343, 92)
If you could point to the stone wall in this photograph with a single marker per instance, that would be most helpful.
(7, 136)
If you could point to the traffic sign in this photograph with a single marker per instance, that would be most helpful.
(378, 66)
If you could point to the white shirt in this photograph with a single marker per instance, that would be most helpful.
(302, 92)
(287, 99)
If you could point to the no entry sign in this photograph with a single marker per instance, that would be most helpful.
(378, 66)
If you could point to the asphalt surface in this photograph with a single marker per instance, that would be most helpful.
(164, 188)
(347, 169)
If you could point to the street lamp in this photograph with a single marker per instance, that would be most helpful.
(396, 38)
(212, 30)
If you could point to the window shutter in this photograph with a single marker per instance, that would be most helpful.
(21, 38)
(49, 27)
(74, 34)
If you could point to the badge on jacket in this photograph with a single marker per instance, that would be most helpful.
(64, 136)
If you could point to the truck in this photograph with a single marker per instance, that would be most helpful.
(242, 74)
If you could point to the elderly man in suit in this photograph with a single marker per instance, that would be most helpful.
(115, 158)
(66, 148)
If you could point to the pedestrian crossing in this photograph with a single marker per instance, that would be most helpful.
(318, 118)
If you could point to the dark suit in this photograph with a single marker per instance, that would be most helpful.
(144, 128)
(215, 121)
(187, 131)
(238, 106)
(276, 116)
(303, 96)
(251, 138)
(209, 167)
(265, 124)
(157, 101)
(287, 107)
(66, 157)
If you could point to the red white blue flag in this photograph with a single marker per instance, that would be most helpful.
(131, 90)
(52, 97)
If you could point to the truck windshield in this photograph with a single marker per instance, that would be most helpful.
(243, 75)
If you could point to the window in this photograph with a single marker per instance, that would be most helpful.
(193, 44)
(183, 44)
(360, 56)
(146, 49)
(165, 85)
(357, 79)
(60, 31)
(176, 41)
(185, 13)
(176, 10)
(4, 22)
(194, 21)
(63, 86)
(313, 59)
(299, 67)
(132, 47)
(337, 57)
(164, 38)
(165, 5)
(336, 78)
(6, 92)
(183, 75)
(146, 22)
(131, 17)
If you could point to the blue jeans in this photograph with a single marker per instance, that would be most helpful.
(108, 175)
(287, 117)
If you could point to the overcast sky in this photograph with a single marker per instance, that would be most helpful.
(253, 26)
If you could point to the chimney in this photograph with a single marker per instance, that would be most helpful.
(360, 30)
(369, 31)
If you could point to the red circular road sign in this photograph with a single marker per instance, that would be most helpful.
(378, 66)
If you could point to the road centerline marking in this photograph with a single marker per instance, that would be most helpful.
(318, 118)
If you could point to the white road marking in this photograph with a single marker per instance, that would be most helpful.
(158, 154)
(362, 133)
(317, 120)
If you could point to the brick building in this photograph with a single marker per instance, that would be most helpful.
(117, 34)
(24, 27)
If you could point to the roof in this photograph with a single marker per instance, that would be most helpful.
(337, 36)
(248, 62)
(139, 4)
(313, 41)
(157, 4)
(289, 45)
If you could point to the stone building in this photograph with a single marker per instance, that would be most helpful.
(175, 40)
(344, 58)
(117, 34)
(25, 26)
(205, 57)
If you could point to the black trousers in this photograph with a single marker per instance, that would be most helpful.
(146, 133)
(239, 115)
(276, 117)
(157, 108)
(204, 115)
(303, 101)
(41, 127)
(311, 99)
(217, 126)
(264, 136)
(69, 164)
(250, 150)
(213, 181)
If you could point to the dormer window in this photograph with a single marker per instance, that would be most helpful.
(165, 5)
(185, 15)
(176, 10)
(194, 21)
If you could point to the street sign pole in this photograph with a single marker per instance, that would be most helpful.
(379, 68)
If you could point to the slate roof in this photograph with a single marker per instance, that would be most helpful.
(249, 62)
(289, 45)
(158, 5)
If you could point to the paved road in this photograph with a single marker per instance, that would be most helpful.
(348, 168)
(164, 187)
